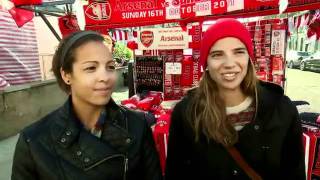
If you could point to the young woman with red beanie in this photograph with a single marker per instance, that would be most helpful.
(233, 126)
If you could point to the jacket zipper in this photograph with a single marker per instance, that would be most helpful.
(103, 160)
(126, 160)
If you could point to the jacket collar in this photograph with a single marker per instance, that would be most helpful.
(268, 95)
(68, 130)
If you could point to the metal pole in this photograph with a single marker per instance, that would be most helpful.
(39, 11)
(130, 79)
(50, 26)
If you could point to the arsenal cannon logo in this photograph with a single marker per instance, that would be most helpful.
(146, 38)
(99, 11)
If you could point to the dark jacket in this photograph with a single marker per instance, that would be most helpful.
(58, 147)
(271, 144)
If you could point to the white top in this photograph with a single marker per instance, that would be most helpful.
(239, 108)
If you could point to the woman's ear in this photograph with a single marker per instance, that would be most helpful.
(65, 76)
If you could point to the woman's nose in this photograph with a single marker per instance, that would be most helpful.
(104, 75)
(229, 61)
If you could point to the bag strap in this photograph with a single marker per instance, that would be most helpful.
(243, 164)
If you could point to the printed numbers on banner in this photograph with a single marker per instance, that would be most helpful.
(231, 2)
(220, 4)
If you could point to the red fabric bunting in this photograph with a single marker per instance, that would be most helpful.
(68, 24)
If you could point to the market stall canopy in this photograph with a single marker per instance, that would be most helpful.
(130, 13)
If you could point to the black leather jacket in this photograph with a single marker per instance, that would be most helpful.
(58, 147)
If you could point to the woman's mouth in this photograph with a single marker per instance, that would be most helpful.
(229, 76)
(104, 91)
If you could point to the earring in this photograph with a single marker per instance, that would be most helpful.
(68, 82)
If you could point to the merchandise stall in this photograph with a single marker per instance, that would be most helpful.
(164, 69)
(162, 64)
(269, 40)
(168, 63)
(163, 73)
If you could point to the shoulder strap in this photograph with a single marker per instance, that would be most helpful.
(243, 164)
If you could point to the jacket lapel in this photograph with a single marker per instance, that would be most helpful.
(84, 150)
(268, 98)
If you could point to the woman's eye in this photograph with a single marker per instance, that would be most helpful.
(111, 68)
(240, 52)
(216, 55)
(91, 68)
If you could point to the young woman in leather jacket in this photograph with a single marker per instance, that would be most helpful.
(90, 137)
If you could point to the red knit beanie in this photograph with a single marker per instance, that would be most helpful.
(225, 27)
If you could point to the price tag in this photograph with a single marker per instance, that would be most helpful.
(173, 68)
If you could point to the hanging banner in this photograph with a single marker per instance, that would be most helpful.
(128, 13)
(163, 38)
(123, 11)
(144, 12)
(278, 40)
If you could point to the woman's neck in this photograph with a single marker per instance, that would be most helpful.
(233, 98)
(87, 114)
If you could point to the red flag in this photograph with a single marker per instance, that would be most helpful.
(68, 24)
(21, 16)
(132, 45)
(314, 27)
(120, 35)
(307, 19)
(126, 35)
(26, 2)
(135, 34)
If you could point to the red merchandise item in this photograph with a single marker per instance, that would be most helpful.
(195, 32)
(278, 79)
(311, 141)
(318, 119)
(178, 55)
(262, 75)
(132, 45)
(133, 100)
(168, 79)
(130, 106)
(157, 110)
(177, 88)
(161, 134)
(145, 104)
(68, 24)
(187, 70)
(277, 65)
(314, 27)
(258, 34)
(157, 97)
(311, 33)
